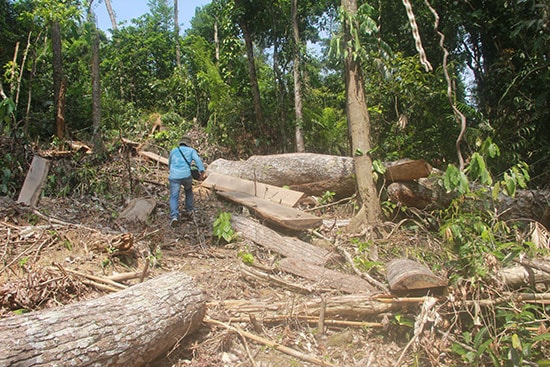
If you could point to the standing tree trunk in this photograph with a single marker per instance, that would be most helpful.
(359, 125)
(111, 14)
(59, 84)
(177, 34)
(96, 87)
(300, 148)
(252, 76)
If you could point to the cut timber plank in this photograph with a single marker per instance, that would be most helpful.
(32, 187)
(406, 275)
(279, 214)
(278, 195)
(153, 156)
(286, 246)
(325, 277)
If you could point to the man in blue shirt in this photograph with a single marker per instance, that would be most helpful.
(179, 165)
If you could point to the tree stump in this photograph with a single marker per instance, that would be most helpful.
(128, 328)
(406, 275)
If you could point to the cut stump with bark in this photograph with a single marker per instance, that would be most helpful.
(128, 328)
(406, 275)
(407, 170)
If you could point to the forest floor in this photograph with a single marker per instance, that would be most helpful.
(75, 232)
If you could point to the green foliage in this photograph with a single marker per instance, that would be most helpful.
(246, 257)
(7, 110)
(328, 197)
(222, 228)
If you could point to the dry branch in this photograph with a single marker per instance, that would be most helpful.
(271, 344)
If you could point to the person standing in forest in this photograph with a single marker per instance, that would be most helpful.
(179, 165)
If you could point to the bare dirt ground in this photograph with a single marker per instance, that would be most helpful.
(77, 232)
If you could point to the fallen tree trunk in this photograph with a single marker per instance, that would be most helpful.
(426, 194)
(310, 173)
(273, 241)
(128, 328)
(324, 277)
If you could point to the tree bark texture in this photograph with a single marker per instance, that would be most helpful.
(128, 328)
(313, 174)
(283, 245)
(96, 93)
(58, 81)
(359, 127)
(112, 15)
(298, 105)
(255, 89)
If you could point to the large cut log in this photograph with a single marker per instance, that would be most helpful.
(407, 275)
(324, 277)
(407, 170)
(128, 328)
(523, 276)
(298, 171)
(281, 215)
(527, 204)
(273, 241)
(279, 195)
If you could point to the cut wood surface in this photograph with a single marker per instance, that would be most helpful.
(407, 170)
(405, 274)
(284, 245)
(221, 182)
(281, 215)
(36, 176)
(127, 328)
(325, 277)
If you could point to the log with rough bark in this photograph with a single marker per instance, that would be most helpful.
(284, 245)
(527, 204)
(523, 275)
(311, 173)
(128, 328)
(407, 275)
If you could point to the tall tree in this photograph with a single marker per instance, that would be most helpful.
(96, 83)
(59, 82)
(112, 14)
(359, 123)
(298, 103)
(177, 34)
(244, 18)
